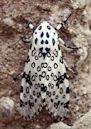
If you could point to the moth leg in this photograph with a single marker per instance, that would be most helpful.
(72, 70)
(27, 22)
(66, 47)
(26, 38)
(83, 53)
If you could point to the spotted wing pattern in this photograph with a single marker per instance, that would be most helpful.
(44, 81)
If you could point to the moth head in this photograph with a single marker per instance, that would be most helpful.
(45, 37)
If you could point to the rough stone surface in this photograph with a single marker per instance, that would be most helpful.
(83, 123)
(6, 108)
(59, 125)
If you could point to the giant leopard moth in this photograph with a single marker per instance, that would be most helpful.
(44, 80)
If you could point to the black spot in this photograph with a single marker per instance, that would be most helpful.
(49, 68)
(38, 68)
(35, 32)
(36, 86)
(58, 47)
(52, 58)
(55, 65)
(44, 65)
(54, 92)
(39, 85)
(32, 104)
(59, 74)
(24, 95)
(22, 103)
(56, 104)
(64, 96)
(26, 103)
(21, 89)
(31, 97)
(49, 84)
(52, 100)
(33, 52)
(41, 49)
(38, 110)
(52, 74)
(36, 40)
(40, 55)
(62, 103)
(60, 80)
(40, 77)
(43, 100)
(28, 80)
(35, 100)
(43, 74)
(36, 74)
(30, 86)
(28, 116)
(55, 53)
(61, 60)
(33, 65)
(48, 27)
(47, 34)
(35, 114)
(40, 27)
(66, 104)
(24, 75)
(27, 77)
(34, 93)
(27, 89)
(65, 76)
(52, 86)
(55, 78)
(46, 42)
(42, 41)
(33, 77)
(44, 55)
(38, 94)
(67, 90)
(30, 46)
(48, 54)
(47, 49)
(47, 77)
(54, 33)
(42, 34)
(56, 97)
(53, 41)
(61, 90)
(28, 59)
(48, 93)
(43, 88)
(62, 77)
(36, 57)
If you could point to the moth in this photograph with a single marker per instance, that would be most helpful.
(44, 80)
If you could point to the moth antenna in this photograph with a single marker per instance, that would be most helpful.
(28, 23)
(62, 23)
